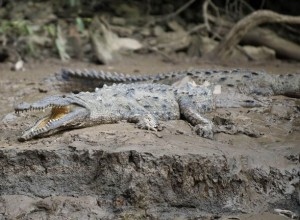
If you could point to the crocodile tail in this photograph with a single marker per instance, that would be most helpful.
(103, 76)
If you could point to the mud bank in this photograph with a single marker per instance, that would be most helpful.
(119, 171)
(118, 181)
(123, 171)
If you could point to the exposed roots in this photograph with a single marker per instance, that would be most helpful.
(239, 30)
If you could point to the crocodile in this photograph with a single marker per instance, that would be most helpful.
(143, 104)
(129, 101)
(244, 81)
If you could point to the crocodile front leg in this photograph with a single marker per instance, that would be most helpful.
(202, 126)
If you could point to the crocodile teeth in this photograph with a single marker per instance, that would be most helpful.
(48, 124)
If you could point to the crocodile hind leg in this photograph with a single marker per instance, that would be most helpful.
(202, 125)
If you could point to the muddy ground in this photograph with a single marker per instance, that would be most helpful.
(119, 171)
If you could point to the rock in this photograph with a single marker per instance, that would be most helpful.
(260, 53)
(18, 66)
(173, 41)
(129, 43)
(158, 31)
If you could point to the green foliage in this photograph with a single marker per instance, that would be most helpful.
(50, 29)
(18, 27)
(30, 38)
(80, 24)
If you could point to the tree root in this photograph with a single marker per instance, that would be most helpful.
(239, 30)
(268, 38)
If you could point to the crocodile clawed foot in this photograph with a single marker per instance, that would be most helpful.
(147, 122)
(205, 131)
(146, 126)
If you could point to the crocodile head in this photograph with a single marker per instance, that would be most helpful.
(66, 111)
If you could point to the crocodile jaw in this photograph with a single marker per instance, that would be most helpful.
(60, 118)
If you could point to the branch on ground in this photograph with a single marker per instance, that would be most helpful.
(239, 30)
(265, 37)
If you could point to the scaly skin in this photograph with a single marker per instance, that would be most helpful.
(147, 103)
(244, 81)
(144, 104)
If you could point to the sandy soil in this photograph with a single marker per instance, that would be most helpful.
(277, 146)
